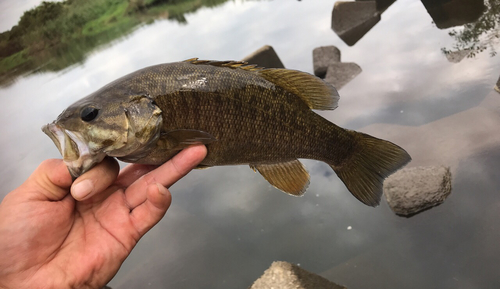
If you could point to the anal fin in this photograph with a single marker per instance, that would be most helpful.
(290, 177)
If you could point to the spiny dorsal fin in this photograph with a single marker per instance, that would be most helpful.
(290, 177)
(316, 93)
(230, 64)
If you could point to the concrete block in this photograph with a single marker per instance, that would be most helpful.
(352, 20)
(339, 74)
(265, 57)
(324, 56)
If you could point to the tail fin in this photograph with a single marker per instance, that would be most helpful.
(373, 161)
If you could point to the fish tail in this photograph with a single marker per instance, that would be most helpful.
(373, 160)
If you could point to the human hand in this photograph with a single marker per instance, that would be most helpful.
(49, 240)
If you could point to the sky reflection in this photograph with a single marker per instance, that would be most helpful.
(226, 224)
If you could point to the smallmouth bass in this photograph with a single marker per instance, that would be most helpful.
(242, 113)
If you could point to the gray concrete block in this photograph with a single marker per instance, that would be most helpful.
(265, 57)
(450, 13)
(352, 20)
(324, 56)
(339, 74)
(283, 275)
(413, 190)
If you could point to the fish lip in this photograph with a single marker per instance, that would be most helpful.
(76, 153)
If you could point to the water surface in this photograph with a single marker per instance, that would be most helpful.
(226, 224)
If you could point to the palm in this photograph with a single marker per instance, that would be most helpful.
(82, 244)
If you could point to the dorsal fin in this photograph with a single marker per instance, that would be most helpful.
(230, 64)
(315, 92)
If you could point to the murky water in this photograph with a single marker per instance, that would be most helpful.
(226, 225)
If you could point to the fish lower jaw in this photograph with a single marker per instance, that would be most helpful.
(84, 163)
(78, 156)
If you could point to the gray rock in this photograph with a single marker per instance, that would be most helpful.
(339, 74)
(497, 87)
(450, 13)
(265, 57)
(413, 190)
(382, 5)
(352, 20)
(324, 56)
(283, 275)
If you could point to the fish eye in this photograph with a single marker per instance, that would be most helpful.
(89, 113)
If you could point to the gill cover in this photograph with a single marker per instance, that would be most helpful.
(144, 121)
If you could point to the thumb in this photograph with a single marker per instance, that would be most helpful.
(50, 181)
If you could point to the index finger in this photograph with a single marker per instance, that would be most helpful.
(167, 174)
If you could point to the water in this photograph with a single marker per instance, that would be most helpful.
(226, 225)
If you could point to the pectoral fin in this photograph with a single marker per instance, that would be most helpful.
(182, 138)
(290, 177)
(202, 167)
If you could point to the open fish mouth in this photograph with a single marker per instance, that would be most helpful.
(76, 153)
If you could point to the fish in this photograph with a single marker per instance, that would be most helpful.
(244, 114)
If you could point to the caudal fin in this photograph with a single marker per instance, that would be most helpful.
(374, 160)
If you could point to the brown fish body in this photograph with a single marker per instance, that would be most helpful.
(245, 115)
(253, 120)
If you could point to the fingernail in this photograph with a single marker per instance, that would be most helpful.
(82, 189)
(161, 189)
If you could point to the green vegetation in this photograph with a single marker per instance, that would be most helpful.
(55, 35)
(481, 35)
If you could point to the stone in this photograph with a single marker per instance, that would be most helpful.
(497, 87)
(450, 13)
(283, 275)
(352, 20)
(265, 57)
(339, 74)
(382, 5)
(413, 190)
(324, 56)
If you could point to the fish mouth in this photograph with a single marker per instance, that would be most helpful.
(76, 153)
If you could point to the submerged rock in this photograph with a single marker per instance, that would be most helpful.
(265, 57)
(497, 87)
(339, 74)
(352, 20)
(413, 190)
(323, 57)
(283, 275)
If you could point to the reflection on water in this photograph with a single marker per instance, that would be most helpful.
(478, 36)
(226, 224)
(55, 35)
(446, 13)
(351, 20)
